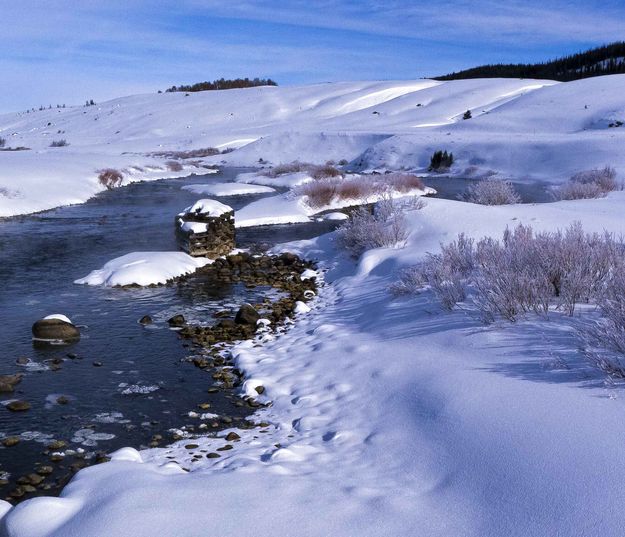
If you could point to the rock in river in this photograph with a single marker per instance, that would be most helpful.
(247, 315)
(55, 328)
(18, 406)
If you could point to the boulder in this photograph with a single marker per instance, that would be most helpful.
(8, 382)
(247, 315)
(146, 319)
(176, 320)
(54, 328)
(18, 406)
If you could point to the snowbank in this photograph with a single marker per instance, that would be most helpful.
(390, 415)
(207, 207)
(228, 189)
(144, 268)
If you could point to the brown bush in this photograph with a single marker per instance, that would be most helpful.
(403, 182)
(191, 153)
(110, 178)
(173, 166)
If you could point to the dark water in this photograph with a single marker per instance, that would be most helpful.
(454, 187)
(40, 257)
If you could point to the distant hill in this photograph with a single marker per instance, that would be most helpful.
(223, 84)
(605, 60)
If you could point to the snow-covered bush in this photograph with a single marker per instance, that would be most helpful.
(605, 339)
(492, 192)
(110, 178)
(59, 143)
(525, 272)
(595, 183)
(382, 226)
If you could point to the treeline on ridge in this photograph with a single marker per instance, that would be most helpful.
(223, 84)
(604, 60)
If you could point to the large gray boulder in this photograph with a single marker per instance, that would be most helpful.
(55, 328)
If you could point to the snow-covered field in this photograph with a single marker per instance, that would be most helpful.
(523, 129)
(389, 416)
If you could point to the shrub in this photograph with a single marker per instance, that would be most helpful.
(173, 166)
(2, 141)
(522, 273)
(343, 162)
(110, 178)
(467, 115)
(322, 192)
(595, 183)
(492, 192)
(608, 333)
(382, 226)
(59, 143)
(315, 171)
(441, 160)
(323, 172)
(318, 193)
(191, 153)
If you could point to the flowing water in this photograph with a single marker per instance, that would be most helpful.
(122, 382)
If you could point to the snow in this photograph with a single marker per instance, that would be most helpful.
(313, 123)
(59, 317)
(193, 227)
(228, 189)
(287, 180)
(289, 208)
(207, 207)
(144, 268)
(387, 416)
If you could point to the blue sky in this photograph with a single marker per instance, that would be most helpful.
(66, 51)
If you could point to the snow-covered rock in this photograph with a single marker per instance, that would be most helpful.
(144, 268)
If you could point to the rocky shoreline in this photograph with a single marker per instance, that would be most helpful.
(295, 281)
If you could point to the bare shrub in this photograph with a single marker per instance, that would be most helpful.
(595, 183)
(403, 182)
(605, 339)
(492, 192)
(318, 193)
(283, 169)
(578, 191)
(59, 143)
(322, 192)
(110, 178)
(191, 153)
(382, 226)
(316, 172)
(324, 172)
(525, 272)
(173, 166)
(605, 178)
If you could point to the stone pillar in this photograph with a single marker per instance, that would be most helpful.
(206, 229)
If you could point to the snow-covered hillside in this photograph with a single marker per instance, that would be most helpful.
(521, 128)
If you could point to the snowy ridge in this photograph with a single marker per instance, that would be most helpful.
(312, 123)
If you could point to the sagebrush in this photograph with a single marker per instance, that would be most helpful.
(588, 184)
(492, 192)
(383, 225)
(110, 178)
